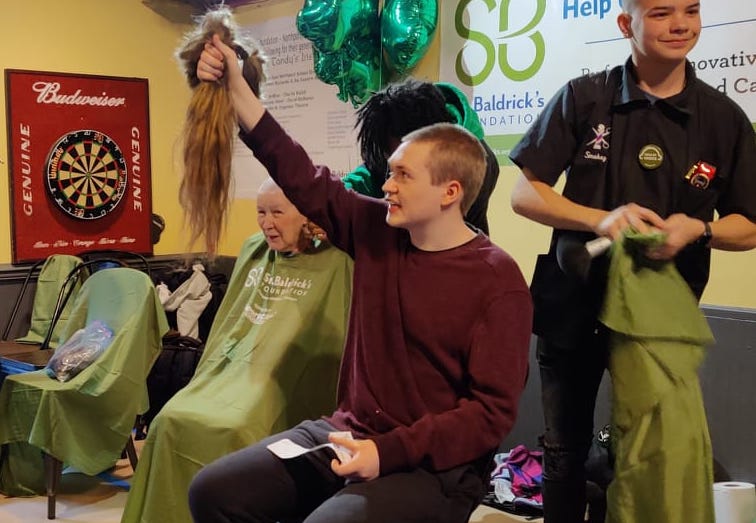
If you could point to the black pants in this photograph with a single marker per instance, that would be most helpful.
(253, 485)
(570, 378)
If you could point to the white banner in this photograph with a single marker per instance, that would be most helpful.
(305, 106)
(511, 56)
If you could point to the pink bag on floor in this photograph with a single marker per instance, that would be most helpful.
(526, 472)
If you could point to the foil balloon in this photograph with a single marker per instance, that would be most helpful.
(328, 23)
(328, 65)
(346, 45)
(362, 79)
(356, 79)
(407, 28)
(358, 49)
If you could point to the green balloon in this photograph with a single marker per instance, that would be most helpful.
(407, 28)
(356, 80)
(329, 23)
(359, 50)
(346, 45)
(328, 66)
(361, 81)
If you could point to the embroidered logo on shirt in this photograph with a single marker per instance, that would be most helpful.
(601, 133)
(599, 143)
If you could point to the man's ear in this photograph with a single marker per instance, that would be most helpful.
(452, 193)
(623, 22)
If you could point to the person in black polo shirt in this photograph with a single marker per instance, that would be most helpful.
(644, 145)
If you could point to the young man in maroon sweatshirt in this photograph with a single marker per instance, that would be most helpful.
(437, 347)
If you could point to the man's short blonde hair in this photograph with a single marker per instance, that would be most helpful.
(629, 5)
(456, 154)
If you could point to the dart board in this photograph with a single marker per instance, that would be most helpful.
(86, 174)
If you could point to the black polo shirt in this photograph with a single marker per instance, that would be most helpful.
(594, 130)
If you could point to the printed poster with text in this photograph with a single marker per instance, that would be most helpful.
(511, 56)
(304, 105)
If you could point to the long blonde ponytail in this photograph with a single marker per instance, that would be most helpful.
(210, 126)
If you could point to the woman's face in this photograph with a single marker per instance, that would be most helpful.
(279, 220)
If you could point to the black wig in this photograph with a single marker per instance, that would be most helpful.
(390, 114)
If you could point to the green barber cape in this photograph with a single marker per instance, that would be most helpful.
(663, 458)
(271, 361)
(51, 277)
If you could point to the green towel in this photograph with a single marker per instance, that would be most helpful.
(271, 360)
(663, 458)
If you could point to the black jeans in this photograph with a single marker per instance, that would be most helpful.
(253, 485)
(570, 378)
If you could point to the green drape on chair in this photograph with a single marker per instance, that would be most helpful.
(663, 457)
(51, 277)
(84, 422)
(271, 361)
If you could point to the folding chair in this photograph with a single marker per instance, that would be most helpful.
(22, 354)
(124, 258)
(25, 356)
(84, 422)
(52, 272)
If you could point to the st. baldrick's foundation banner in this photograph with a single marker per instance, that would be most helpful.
(79, 149)
(511, 56)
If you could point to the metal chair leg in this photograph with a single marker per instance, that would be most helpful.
(53, 470)
(131, 452)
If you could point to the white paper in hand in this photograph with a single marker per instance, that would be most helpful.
(287, 449)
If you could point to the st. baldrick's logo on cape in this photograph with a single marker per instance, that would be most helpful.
(80, 164)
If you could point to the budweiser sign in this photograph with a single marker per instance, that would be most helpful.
(49, 93)
(79, 169)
